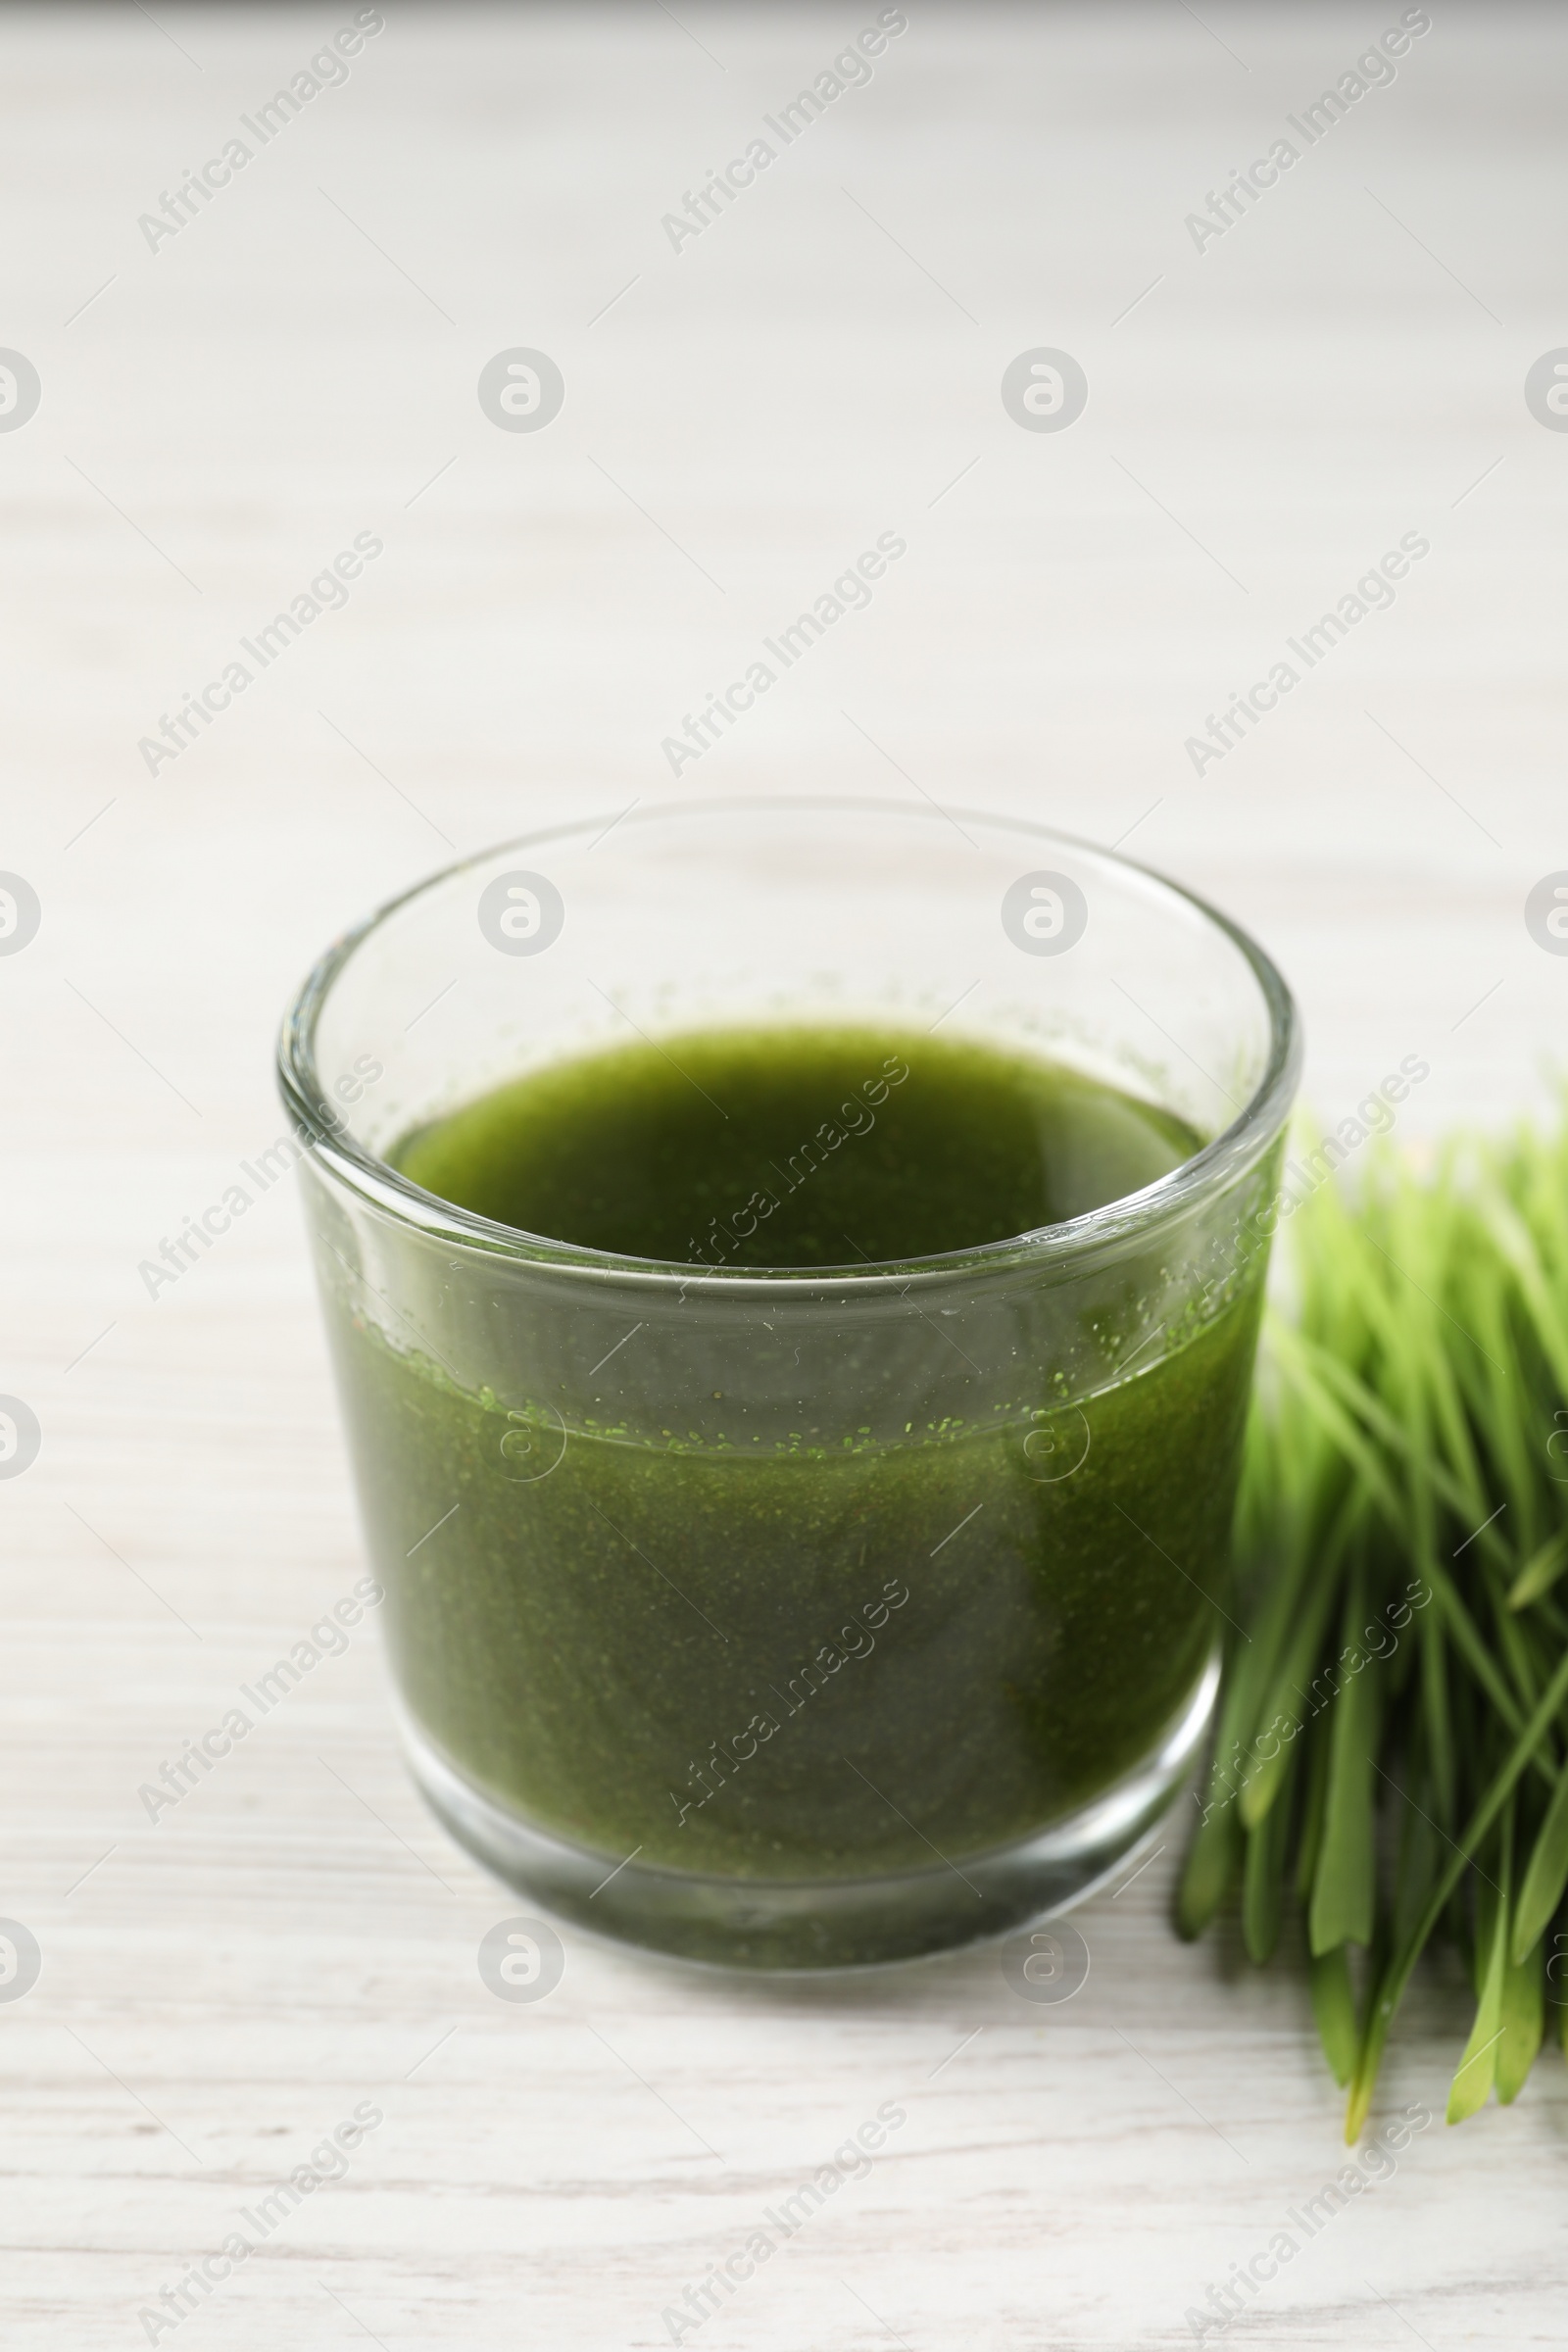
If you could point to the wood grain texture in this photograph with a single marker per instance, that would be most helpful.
(298, 365)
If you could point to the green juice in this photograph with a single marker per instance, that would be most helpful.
(801, 1148)
(759, 1619)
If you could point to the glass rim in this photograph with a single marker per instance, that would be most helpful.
(1077, 1242)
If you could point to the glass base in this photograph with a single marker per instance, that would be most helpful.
(798, 1924)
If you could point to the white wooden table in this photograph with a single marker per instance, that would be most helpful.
(221, 412)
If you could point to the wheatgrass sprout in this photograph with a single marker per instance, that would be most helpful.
(1389, 1765)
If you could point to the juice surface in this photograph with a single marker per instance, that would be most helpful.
(794, 1148)
(744, 1614)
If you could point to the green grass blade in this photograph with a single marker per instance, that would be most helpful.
(1524, 2021)
(1215, 1850)
(1284, 1701)
(1502, 1430)
(1477, 2069)
(1546, 1877)
(1334, 2010)
(1513, 1237)
(1208, 1870)
(1314, 1807)
(1417, 1864)
(1382, 2003)
(1539, 1572)
(1343, 1885)
(1264, 1882)
(1438, 1717)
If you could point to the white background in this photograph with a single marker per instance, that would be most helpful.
(1344, 366)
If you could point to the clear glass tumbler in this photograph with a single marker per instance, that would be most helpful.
(781, 1617)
